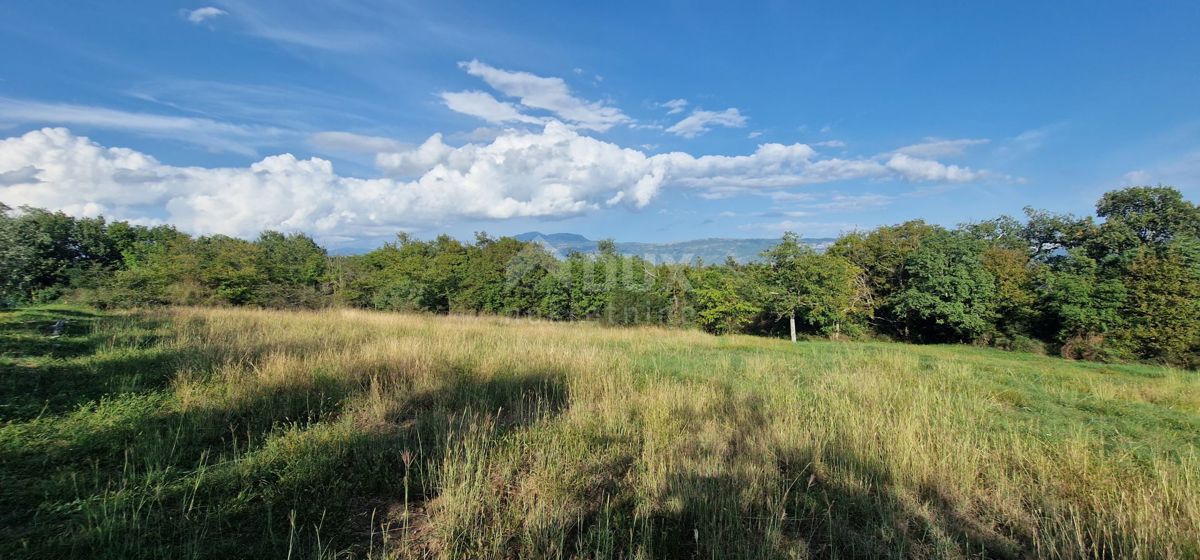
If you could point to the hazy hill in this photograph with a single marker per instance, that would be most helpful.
(711, 250)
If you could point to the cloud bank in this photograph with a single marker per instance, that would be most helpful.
(550, 173)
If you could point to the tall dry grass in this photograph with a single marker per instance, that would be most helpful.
(462, 437)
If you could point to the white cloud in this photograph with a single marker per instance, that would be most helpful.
(482, 105)
(1028, 141)
(338, 141)
(701, 121)
(830, 144)
(674, 106)
(852, 202)
(917, 169)
(938, 147)
(205, 132)
(481, 134)
(414, 163)
(553, 172)
(548, 94)
(199, 15)
(1136, 177)
(754, 134)
(329, 26)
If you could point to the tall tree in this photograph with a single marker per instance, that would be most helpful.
(882, 254)
(1016, 297)
(1162, 308)
(1049, 234)
(1151, 216)
(948, 295)
(783, 278)
(825, 292)
(1081, 306)
(724, 304)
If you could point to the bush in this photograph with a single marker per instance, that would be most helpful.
(1092, 347)
(1021, 343)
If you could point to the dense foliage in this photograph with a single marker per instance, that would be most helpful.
(1122, 285)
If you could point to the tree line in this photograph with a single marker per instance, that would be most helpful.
(1121, 285)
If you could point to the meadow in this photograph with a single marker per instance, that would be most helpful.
(241, 433)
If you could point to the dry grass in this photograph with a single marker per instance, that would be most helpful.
(348, 433)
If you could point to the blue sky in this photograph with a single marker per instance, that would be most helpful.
(632, 120)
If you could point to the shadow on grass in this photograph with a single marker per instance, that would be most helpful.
(830, 515)
(853, 507)
(46, 375)
(27, 391)
(764, 501)
(29, 333)
(279, 469)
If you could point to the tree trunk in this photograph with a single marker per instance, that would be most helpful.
(792, 323)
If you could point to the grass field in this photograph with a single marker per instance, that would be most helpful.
(209, 433)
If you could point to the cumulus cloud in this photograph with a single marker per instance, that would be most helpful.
(701, 121)
(555, 171)
(211, 134)
(199, 15)
(938, 147)
(674, 106)
(552, 172)
(547, 94)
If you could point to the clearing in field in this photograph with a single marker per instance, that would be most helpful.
(202, 433)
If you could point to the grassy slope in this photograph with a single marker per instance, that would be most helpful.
(239, 433)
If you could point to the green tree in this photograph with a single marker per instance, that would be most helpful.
(1005, 232)
(1150, 216)
(415, 275)
(1080, 305)
(41, 249)
(723, 305)
(1048, 234)
(784, 287)
(881, 254)
(524, 275)
(834, 298)
(1016, 297)
(824, 292)
(948, 295)
(1162, 308)
(161, 266)
(232, 268)
(296, 270)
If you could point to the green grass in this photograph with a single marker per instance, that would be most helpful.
(193, 433)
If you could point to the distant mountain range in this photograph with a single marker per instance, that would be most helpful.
(712, 250)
